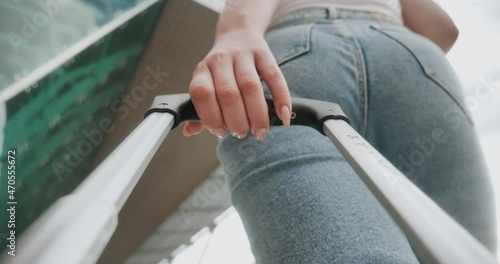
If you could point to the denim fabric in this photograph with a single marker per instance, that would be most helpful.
(301, 202)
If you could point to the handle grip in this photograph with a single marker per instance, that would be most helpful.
(305, 112)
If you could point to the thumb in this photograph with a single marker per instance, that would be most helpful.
(193, 128)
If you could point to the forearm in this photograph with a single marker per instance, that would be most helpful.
(428, 19)
(254, 14)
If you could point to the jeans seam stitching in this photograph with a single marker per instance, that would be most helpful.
(430, 74)
(361, 82)
(305, 47)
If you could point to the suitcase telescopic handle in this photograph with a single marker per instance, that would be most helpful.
(306, 112)
(435, 235)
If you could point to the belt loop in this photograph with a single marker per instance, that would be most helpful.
(332, 13)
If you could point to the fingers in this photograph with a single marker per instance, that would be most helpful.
(253, 96)
(228, 95)
(203, 96)
(271, 73)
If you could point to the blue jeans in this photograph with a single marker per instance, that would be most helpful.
(300, 201)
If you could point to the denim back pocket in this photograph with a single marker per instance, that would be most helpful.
(432, 60)
(289, 42)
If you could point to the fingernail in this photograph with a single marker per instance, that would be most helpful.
(285, 116)
(187, 133)
(260, 134)
(242, 136)
(221, 133)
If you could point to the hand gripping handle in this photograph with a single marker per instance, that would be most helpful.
(305, 112)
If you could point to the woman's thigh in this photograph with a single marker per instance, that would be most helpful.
(299, 200)
(416, 117)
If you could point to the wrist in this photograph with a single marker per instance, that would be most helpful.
(232, 20)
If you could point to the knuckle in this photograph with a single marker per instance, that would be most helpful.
(227, 94)
(201, 66)
(238, 54)
(218, 56)
(272, 74)
(260, 52)
(249, 85)
(198, 91)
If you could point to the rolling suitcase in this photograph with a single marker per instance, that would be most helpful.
(77, 228)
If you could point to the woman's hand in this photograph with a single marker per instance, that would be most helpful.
(226, 89)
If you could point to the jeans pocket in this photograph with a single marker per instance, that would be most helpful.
(432, 60)
(289, 42)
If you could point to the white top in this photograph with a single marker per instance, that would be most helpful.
(390, 8)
